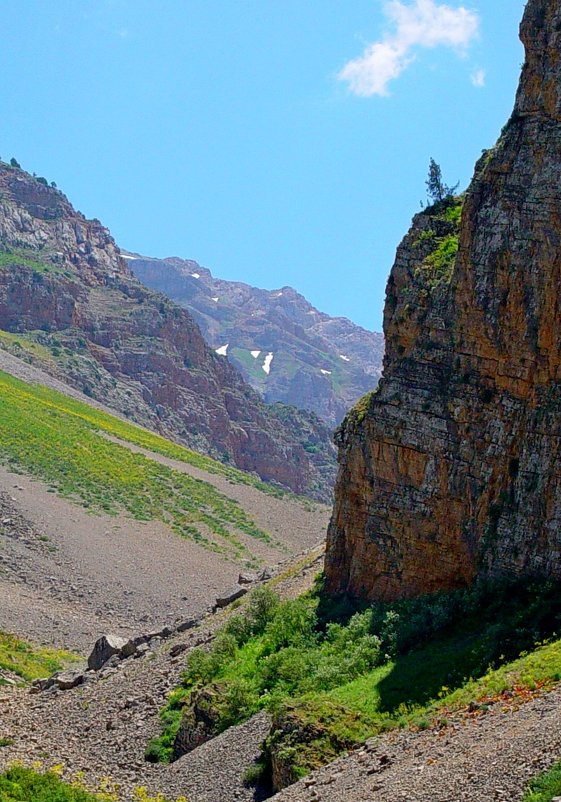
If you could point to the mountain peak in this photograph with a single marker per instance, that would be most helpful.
(318, 362)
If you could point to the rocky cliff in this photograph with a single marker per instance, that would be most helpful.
(451, 469)
(285, 348)
(69, 303)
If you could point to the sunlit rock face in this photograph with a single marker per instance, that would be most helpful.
(451, 469)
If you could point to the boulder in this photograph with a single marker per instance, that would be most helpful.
(228, 598)
(105, 647)
(65, 680)
(247, 579)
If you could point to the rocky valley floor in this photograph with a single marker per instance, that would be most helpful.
(102, 727)
(67, 576)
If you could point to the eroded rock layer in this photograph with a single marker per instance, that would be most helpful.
(451, 469)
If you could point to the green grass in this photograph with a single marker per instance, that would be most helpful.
(24, 257)
(545, 787)
(26, 344)
(333, 677)
(31, 662)
(21, 784)
(131, 433)
(58, 440)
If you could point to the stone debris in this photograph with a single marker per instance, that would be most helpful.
(231, 596)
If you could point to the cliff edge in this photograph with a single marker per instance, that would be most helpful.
(450, 469)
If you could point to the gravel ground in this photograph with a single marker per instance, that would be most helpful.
(102, 727)
(477, 760)
(96, 572)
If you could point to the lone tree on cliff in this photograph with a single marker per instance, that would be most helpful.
(437, 190)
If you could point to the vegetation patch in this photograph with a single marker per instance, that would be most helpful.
(545, 787)
(440, 262)
(21, 784)
(439, 243)
(333, 675)
(31, 662)
(50, 436)
(358, 413)
(25, 257)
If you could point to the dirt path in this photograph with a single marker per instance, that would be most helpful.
(296, 524)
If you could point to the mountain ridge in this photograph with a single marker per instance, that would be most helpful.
(69, 303)
(284, 347)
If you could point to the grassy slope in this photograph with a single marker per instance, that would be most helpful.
(57, 439)
(30, 662)
(131, 433)
(20, 784)
(341, 685)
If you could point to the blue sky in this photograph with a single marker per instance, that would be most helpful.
(274, 141)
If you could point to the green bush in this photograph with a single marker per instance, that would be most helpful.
(333, 675)
(545, 787)
(19, 784)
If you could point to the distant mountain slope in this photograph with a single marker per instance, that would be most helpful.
(285, 348)
(69, 303)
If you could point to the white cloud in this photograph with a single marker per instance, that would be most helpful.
(478, 78)
(421, 23)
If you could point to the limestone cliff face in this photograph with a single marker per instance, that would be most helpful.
(69, 302)
(451, 469)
